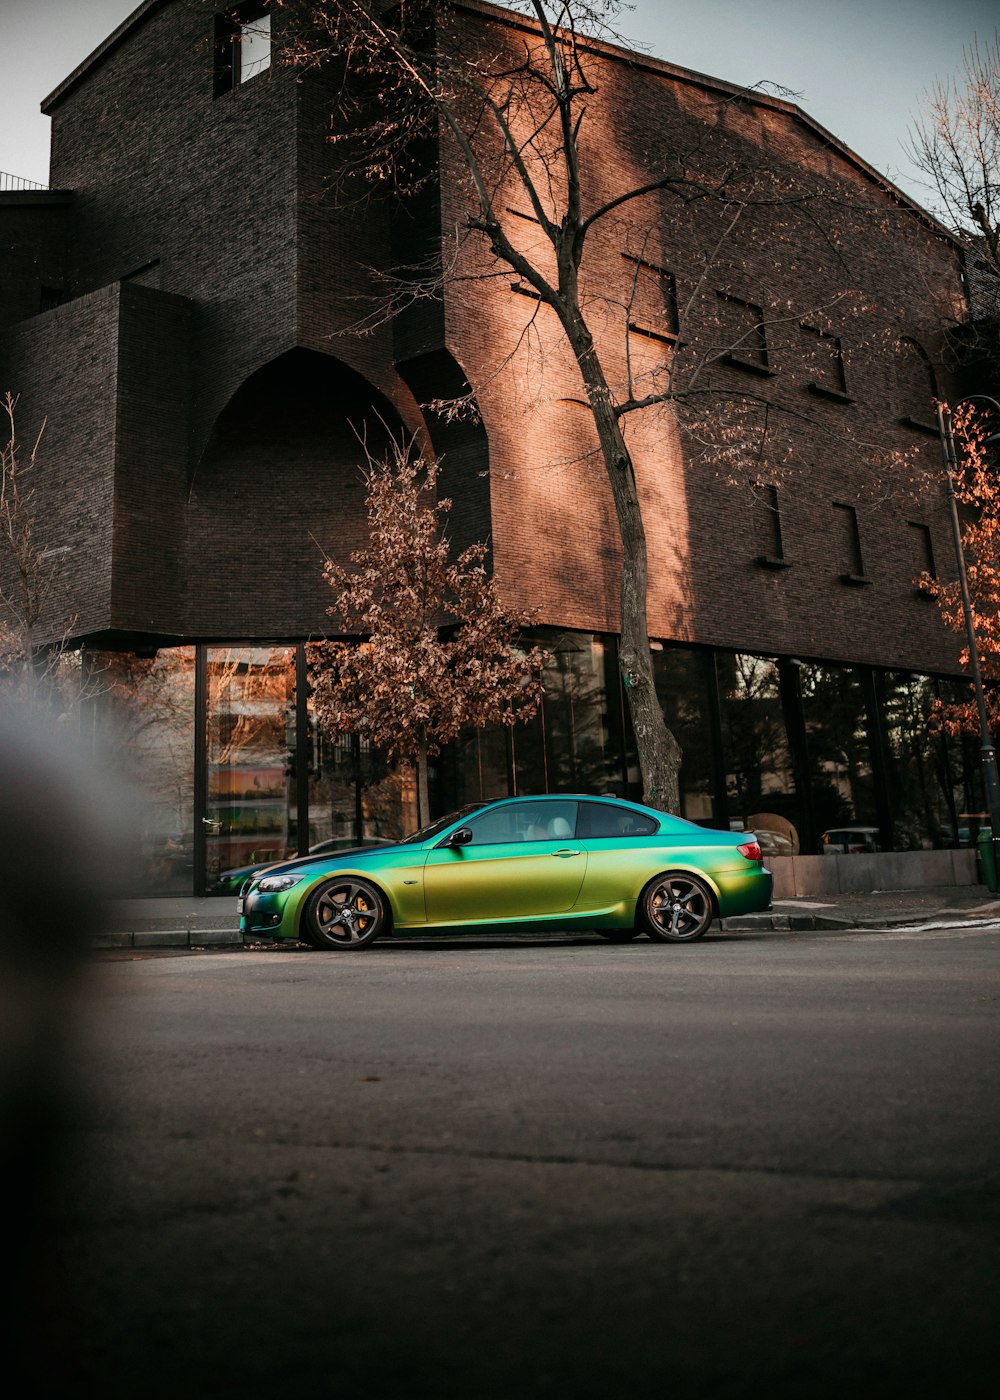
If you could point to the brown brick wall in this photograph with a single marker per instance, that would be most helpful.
(64, 367)
(32, 250)
(212, 412)
(554, 533)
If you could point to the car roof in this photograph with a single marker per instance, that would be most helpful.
(565, 797)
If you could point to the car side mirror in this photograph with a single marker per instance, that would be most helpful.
(461, 837)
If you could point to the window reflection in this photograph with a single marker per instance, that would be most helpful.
(569, 745)
(352, 792)
(143, 712)
(759, 775)
(472, 769)
(682, 685)
(840, 765)
(250, 813)
(938, 792)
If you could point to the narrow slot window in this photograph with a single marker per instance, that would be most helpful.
(768, 520)
(923, 553)
(848, 537)
(825, 370)
(742, 333)
(652, 300)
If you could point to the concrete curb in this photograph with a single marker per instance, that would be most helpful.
(831, 923)
(747, 923)
(169, 938)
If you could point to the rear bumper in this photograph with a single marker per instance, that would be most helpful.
(744, 891)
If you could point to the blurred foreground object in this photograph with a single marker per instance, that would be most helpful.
(54, 857)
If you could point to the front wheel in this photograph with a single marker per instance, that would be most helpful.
(344, 913)
(676, 908)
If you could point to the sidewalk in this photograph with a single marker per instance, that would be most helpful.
(214, 923)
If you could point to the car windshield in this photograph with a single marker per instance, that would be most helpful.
(427, 833)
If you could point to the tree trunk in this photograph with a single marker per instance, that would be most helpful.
(659, 751)
(423, 791)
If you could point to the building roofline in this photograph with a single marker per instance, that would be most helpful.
(515, 20)
(107, 46)
(619, 53)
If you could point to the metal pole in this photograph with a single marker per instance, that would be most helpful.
(987, 751)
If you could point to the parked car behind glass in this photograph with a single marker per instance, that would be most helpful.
(845, 840)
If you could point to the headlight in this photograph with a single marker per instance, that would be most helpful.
(272, 884)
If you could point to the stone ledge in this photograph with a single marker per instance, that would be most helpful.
(168, 938)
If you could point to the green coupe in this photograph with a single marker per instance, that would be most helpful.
(526, 864)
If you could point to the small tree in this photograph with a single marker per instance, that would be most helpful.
(440, 651)
(976, 488)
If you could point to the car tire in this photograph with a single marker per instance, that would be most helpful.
(676, 908)
(344, 914)
(619, 935)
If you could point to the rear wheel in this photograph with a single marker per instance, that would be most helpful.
(676, 908)
(343, 914)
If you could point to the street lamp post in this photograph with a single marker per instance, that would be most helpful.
(987, 751)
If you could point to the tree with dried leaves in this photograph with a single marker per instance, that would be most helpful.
(509, 110)
(977, 488)
(440, 649)
(956, 146)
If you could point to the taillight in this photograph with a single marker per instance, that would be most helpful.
(751, 850)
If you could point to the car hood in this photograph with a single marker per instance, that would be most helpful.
(324, 861)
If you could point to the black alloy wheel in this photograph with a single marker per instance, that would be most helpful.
(676, 908)
(343, 914)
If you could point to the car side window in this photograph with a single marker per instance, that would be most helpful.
(601, 819)
(524, 821)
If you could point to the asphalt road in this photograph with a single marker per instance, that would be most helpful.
(757, 1164)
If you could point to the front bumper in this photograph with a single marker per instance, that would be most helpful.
(264, 914)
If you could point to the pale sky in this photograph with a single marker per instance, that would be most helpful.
(859, 67)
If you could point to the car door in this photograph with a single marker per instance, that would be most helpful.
(522, 863)
(616, 841)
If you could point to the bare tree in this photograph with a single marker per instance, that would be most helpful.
(509, 107)
(23, 575)
(956, 146)
(32, 662)
(440, 650)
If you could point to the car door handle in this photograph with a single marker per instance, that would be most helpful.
(561, 855)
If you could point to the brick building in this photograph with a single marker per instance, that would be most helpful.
(179, 307)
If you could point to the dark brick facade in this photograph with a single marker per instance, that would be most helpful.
(204, 394)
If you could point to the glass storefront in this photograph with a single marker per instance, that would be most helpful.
(783, 746)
